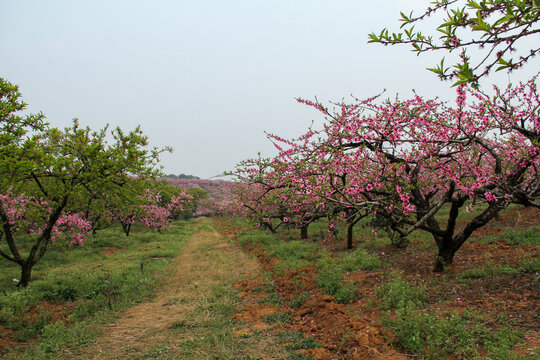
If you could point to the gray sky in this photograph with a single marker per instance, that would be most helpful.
(206, 77)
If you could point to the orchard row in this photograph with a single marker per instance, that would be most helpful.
(409, 165)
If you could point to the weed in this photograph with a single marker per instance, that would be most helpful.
(300, 299)
(294, 340)
(273, 298)
(398, 293)
(360, 259)
(488, 239)
(330, 280)
(298, 356)
(257, 238)
(278, 317)
(295, 254)
(159, 352)
(449, 334)
(514, 236)
(520, 237)
(529, 265)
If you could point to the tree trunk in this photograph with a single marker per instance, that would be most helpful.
(350, 236)
(444, 258)
(126, 228)
(270, 227)
(26, 274)
(448, 244)
(303, 232)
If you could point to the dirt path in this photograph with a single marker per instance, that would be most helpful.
(208, 262)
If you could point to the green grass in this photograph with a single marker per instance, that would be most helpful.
(257, 237)
(278, 317)
(530, 236)
(296, 254)
(527, 265)
(522, 237)
(437, 336)
(397, 293)
(426, 332)
(331, 280)
(294, 340)
(359, 259)
(211, 324)
(100, 286)
(300, 299)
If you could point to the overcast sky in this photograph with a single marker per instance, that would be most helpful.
(206, 77)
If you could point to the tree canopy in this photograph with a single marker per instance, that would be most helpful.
(46, 174)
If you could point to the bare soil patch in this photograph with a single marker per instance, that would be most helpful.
(110, 251)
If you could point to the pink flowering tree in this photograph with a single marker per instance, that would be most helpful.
(128, 214)
(406, 159)
(154, 216)
(175, 199)
(152, 204)
(403, 161)
(46, 173)
(325, 182)
(216, 198)
(270, 194)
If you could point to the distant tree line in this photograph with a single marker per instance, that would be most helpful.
(182, 176)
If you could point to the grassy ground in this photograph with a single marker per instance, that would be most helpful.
(194, 294)
(150, 296)
(75, 290)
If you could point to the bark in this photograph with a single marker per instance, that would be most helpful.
(351, 222)
(26, 273)
(270, 227)
(350, 235)
(444, 258)
(449, 244)
(304, 232)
